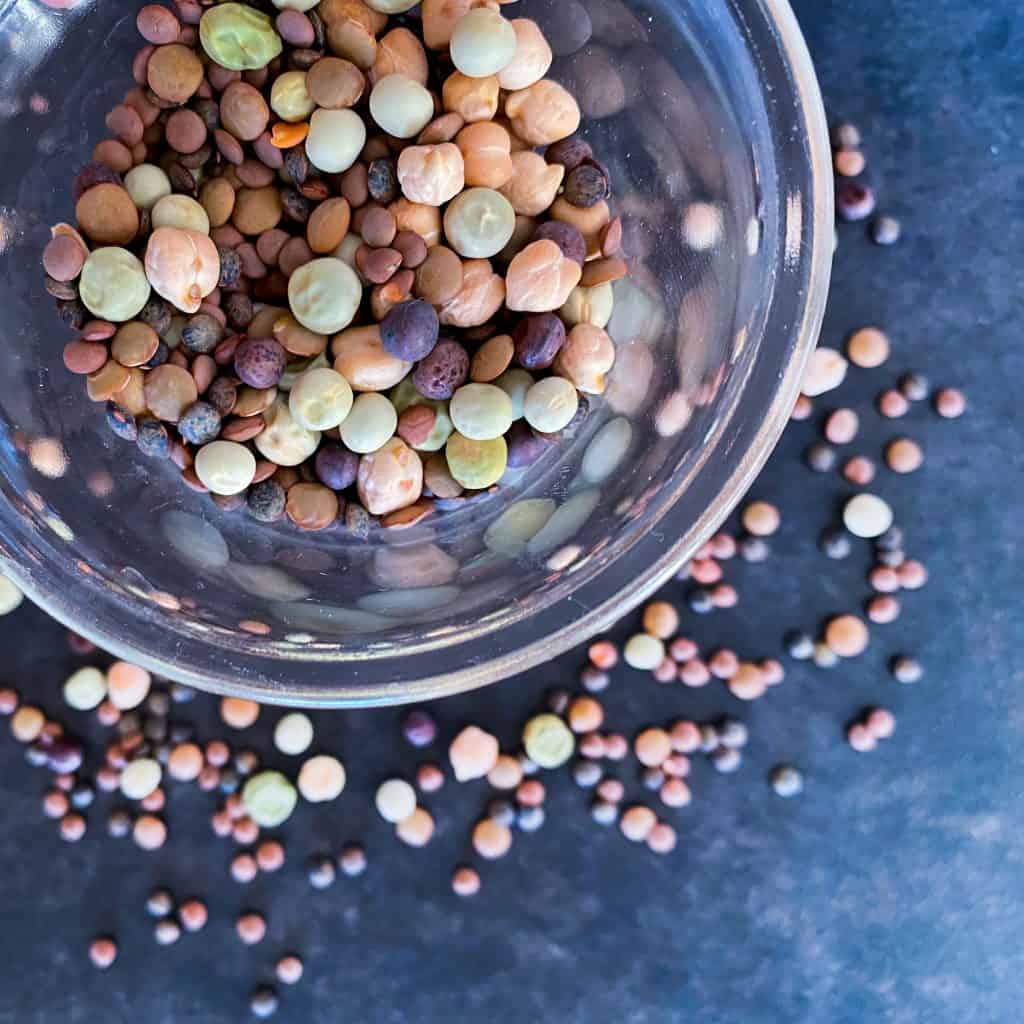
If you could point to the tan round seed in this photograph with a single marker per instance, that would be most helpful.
(868, 347)
(417, 829)
(761, 519)
(321, 778)
(847, 635)
(491, 840)
(903, 455)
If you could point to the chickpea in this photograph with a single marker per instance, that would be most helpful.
(540, 278)
(479, 298)
(585, 357)
(431, 174)
(534, 183)
(476, 99)
(532, 57)
(485, 149)
(439, 18)
(544, 113)
(400, 53)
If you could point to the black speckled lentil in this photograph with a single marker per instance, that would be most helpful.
(159, 357)
(502, 811)
(891, 540)
(230, 271)
(820, 457)
(652, 778)
(893, 559)
(593, 680)
(914, 387)
(854, 201)
(320, 871)
(585, 773)
(246, 762)
(182, 732)
(152, 438)
(157, 313)
(799, 645)
(352, 860)
(570, 152)
(885, 230)
(266, 501)
(529, 819)
(732, 733)
(72, 313)
(295, 205)
(754, 549)
(158, 702)
(382, 181)
(296, 163)
(603, 812)
(586, 185)
(700, 601)
(159, 903)
(726, 759)
(263, 1002)
(182, 179)
(229, 781)
(119, 823)
(835, 543)
(182, 694)
(906, 669)
(708, 738)
(238, 309)
(199, 423)
(121, 422)
(155, 729)
(557, 701)
(786, 780)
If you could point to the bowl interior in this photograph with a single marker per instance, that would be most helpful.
(707, 116)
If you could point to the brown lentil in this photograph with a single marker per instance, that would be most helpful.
(950, 403)
(903, 455)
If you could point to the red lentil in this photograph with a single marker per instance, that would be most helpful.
(950, 403)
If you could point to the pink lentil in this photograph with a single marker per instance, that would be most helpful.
(681, 649)
(694, 673)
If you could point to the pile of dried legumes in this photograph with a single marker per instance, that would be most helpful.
(340, 248)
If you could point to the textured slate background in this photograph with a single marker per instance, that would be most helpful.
(889, 892)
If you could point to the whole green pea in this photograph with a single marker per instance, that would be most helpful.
(238, 37)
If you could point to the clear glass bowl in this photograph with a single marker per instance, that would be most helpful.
(706, 102)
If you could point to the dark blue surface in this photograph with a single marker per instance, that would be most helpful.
(890, 891)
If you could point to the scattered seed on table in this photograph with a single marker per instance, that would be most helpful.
(419, 728)
(185, 762)
(846, 635)
(473, 753)
(855, 201)
(616, 746)
(803, 408)
(103, 952)
(530, 819)
(761, 519)
(700, 601)
(684, 737)
(820, 457)
(159, 903)
(643, 651)
(724, 595)
(288, 969)
(652, 746)
(835, 543)
(491, 840)
(604, 812)
(883, 609)
(885, 230)
(55, 804)
(859, 470)
(682, 650)
(251, 927)
(748, 683)
(293, 733)
(530, 793)
(912, 574)
(245, 831)
(395, 800)
(723, 664)
(732, 733)
(726, 759)
(867, 515)
(417, 829)
(825, 371)
(849, 163)
(127, 685)
(652, 778)
(352, 860)
(239, 713)
(549, 742)
(880, 723)
(501, 810)
(586, 773)
(824, 656)
(892, 404)
(903, 455)
(841, 426)
(263, 1002)
(694, 673)
(119, 824)
(786, 780)
(149, 832)
(660, 619)
(906, 669)
(85, 689)
(270, 855)
(27, 723)
(140, 778)
(429, 777)
(465, 881)
(950, 403)
(636, 823)
(8, 701)
(193, 915)
(167, 931)
(593, 679)
(868, 347)
(603, 654)
(557, 701)
(914, 387)
(799, 645)
(269, 799)
(754, 549)
(321, 779)
(662, 838)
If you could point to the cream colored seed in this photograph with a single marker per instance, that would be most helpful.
(395, 800)
(548, 741)
(531, 60)
(113, 284)
(370, 423)
(335, 139)
(431, 174)
(147, 184)
(141, 777)
(481, 412)
(643, 651)
(325, 293)
(825, 371)
(867, 515)
(479, 222)
(294, 733)
(180, 212)
(483, 43)
(589, 305)
(225, 467)
(320, 399)
(85, 689)
(283, 440)
(550, 404)
(417, 829)
(400, 106)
